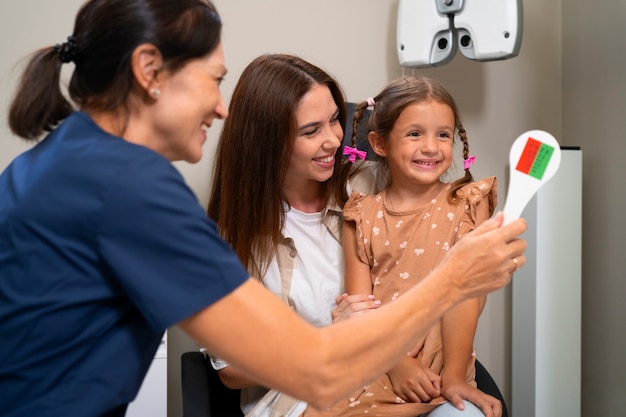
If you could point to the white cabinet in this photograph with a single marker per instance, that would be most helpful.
(152, 398)
(547, 294)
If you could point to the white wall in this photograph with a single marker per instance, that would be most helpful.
(354, 40)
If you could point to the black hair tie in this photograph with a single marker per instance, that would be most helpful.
(67, 50)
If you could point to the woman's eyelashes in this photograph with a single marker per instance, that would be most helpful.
(313, 128)
(309, 131)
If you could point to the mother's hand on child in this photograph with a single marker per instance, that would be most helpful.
(353, 305)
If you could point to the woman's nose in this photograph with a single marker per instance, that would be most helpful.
(334, 137)
(221, 110)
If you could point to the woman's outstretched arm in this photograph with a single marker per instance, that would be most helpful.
(255, 331)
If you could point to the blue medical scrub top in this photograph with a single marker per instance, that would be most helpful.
(102, 247)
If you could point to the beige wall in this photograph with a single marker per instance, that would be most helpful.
(594, 117)
(354, 40)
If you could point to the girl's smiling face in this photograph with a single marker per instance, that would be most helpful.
(419, 147)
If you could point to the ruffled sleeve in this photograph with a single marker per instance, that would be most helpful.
(353, 210)
(480, 199)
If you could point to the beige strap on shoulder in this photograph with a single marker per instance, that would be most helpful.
(286, 258)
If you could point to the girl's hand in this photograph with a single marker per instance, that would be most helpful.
(457, 391)
(353, 305)
(413, 382)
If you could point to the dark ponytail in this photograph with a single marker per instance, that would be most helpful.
(106, 32)
(38, 104)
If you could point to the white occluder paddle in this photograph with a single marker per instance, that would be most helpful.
(534, 158)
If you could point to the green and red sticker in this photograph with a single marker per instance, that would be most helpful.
(535, 158)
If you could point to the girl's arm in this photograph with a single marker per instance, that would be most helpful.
(458, 329)
(358, 298)
(459, 326)
(357, 275)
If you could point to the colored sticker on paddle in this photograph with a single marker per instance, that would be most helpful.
(535, 158)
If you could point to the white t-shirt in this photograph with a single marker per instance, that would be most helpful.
(316, 281)
(318, 271)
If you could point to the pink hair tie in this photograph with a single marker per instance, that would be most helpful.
(469, 162)
(352, 153)
(370, 102)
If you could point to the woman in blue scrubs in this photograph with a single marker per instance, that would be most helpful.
(103, 245)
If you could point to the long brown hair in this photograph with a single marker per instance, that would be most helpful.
(394, 98)
(254, 151)
(105, 34)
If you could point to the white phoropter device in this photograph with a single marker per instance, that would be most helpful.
(534, 158)
(429, 32)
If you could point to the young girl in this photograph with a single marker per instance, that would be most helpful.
(393, 239)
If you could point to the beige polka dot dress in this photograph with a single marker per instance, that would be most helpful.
(401, 249)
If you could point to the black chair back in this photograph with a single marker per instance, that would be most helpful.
(204, 394)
